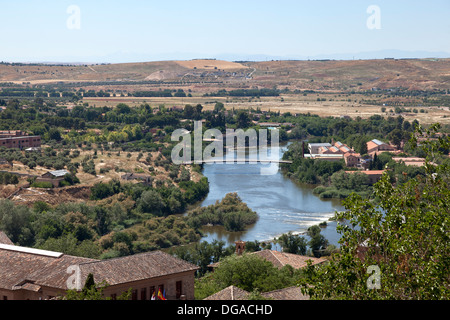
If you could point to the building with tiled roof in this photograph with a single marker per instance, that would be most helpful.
(290, 293)
(4, 239)
(410, 161)
(33, 274)
(281, 259)
(229, 293)
(54, 177)
(314, 147)
(352, 159)
(377, 146)
(235, 293)
(373, 175)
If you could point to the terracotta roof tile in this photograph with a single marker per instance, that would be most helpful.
(5, 239)
(280, 259)
(17, 268)
(291, 293)
(229, 293)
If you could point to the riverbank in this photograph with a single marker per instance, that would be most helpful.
(282, 205)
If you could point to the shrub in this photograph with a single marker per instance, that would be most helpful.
(42, 184)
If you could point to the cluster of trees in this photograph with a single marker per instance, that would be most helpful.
(245, 93)
(48, 158)
(8, 178)
(317, 245)
(306, 170)
(248, 272)
(125, 219)
(230, 212)
(342, 184)
(158, 93)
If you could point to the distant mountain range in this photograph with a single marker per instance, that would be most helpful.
(126, 57)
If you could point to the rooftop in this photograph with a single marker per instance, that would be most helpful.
(368, 172)
(21, 265)
(378, 142)
(235, 293)
(325, 144)
(59, 173)
(4, 239)
(38, 252)
(280, 259)
(229, 293)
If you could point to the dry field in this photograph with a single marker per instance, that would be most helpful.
(115, 164)
(211, 64)
(417, 74)
(340, 106)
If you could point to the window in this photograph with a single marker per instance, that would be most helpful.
(144, 294)
(114, 296)
(179, 289)
(134, 294)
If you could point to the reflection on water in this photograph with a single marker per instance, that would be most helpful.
(282, 205)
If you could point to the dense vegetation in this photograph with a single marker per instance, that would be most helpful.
(105, 226)
(128, 218)
(396, 249)
(230, 212)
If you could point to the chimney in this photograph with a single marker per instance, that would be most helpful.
(240, 247)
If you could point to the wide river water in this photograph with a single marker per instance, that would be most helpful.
(282, 205)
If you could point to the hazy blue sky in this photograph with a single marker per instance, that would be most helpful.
(138, 30)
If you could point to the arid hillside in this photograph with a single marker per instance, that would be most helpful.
(156, 71)
(412, 74)
(328, 75)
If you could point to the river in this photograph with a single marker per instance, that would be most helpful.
(282, 205)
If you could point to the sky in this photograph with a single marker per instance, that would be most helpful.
(144, 30)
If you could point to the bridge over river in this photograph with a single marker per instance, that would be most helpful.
(250, 161)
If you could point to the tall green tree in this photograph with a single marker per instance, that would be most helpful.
(292, 243)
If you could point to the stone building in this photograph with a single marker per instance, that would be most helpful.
(21, 142)
(33, 274)
(54, 177)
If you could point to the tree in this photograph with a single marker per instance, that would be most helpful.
(188, 111)
(402, 241)
(396, 137)
(317, 241)
(93, 291)
(219, 106)
(150, 202)
(15, 221)
(250, 272)
(54, 134)
(242, 119)
(292, 243)
(362, 147)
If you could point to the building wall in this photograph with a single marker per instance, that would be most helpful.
(169, 282)
(351, 160)
(21, 142)
(55, 181)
